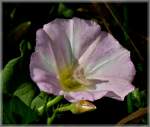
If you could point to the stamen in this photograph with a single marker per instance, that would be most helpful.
(80, 77)
(68, 82)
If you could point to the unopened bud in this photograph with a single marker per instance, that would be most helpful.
(82, 106)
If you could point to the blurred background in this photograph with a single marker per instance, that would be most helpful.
(127, 22)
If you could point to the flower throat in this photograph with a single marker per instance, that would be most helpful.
(72, 79)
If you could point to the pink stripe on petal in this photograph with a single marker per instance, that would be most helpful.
(42, 73)
(106, 57)
(78, 32)
(46, 87)
(105, 44)
(59, 42)
(116, 65)
(44, 56)
(45, 81)
(84, 33)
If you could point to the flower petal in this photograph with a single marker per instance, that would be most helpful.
(44, 79)
(43, 68)
(59, 42)
(116, 88)
(82, 34)
(107, 58)
(44, 52)
(117, 65)
(104, 44)
(77, 96)
(85, 95)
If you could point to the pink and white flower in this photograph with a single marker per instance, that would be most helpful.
(74, 58)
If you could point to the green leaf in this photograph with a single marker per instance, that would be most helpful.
(16, 112)
(64, 11)
(25, 47)
(136, 100)
(39, 103)
(68, 13)
(129, 103)
(26, 92)
(7, 74)
(16, 70)
(7, 114)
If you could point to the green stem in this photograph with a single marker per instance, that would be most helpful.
(54, 101)
(65, 108)
(129, 103)
(40, 110)
(61, 109)
(51, 119)
(49, 104)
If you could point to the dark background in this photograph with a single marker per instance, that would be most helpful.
(132, 16)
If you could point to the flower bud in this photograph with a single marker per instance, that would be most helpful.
(82, 106)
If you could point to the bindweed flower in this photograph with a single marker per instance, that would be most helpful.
(74, 58)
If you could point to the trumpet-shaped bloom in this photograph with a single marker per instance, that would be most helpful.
(74, 58)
